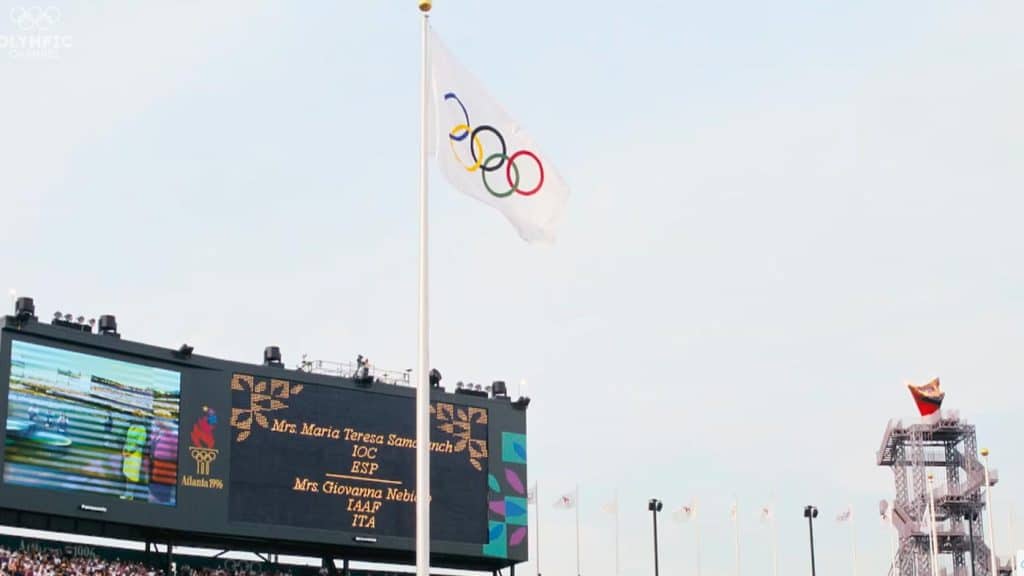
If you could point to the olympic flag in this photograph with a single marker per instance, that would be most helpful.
(485, 154)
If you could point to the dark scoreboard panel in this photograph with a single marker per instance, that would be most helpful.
(319, 457)
(119, 437)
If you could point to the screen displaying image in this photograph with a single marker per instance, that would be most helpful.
(82, 422)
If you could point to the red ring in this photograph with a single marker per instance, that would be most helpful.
(508, 172)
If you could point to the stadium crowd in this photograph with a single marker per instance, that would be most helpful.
(53, 563)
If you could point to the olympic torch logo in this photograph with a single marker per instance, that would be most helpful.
(202, 448)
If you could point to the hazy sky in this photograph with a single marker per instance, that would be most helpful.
(780, 212)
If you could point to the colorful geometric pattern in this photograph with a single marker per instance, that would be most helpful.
(513, 447)
(507, 503)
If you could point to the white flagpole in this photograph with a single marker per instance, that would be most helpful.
(853, 540)
(1013, 543)
(775, 543)
(616, 532)
(536, 504)
(696, 528)
(934, 532)
(423, 361)
(988, 504)
(736, 521)
(578, 572)
(894, 545)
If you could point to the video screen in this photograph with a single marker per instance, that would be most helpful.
(82, 422)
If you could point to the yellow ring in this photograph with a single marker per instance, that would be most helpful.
(476, 143)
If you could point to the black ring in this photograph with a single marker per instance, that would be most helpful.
(472, 150)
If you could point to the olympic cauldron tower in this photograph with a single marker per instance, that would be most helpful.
(946, 445)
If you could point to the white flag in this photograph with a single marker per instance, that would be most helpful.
(485, 154)
(845, 515)
(686, 512)
(732, 511)
(531, 495)
(566, 501)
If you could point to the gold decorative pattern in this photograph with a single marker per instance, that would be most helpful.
(260, 402)
(459, 423)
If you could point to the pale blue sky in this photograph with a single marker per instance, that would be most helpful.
(780, 211)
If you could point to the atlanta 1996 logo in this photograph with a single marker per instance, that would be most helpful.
(202, 448)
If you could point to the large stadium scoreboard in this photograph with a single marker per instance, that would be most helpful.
(110, 433)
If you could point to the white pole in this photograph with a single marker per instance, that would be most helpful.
(853, 541)
(934, 532)
(775, 544)
(736, 521)
(536, 505)
(578, 571)
(1013, 543)
(616, 532)
(423, 363)
(988, 504)
(893, 540)
(696, 527)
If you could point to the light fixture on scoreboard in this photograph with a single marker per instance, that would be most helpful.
(67, 321)
(435, 378)
(499, 389)
(522, 402)
(108, 325)
(185, 351)
(471, 389)
(24, 309)
(272, 356)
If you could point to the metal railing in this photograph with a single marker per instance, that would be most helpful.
(355, 371)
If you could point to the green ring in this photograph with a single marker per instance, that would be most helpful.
(483, 176)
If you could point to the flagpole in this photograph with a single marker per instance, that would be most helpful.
(536, 504)
(578, 572)
(696, 528)
(736, 521)
(853, 540)
(1013, 543)
(893, 540)
(988, 505)
(934, 532)
(775, 544)
(616, 532)
(423, 361)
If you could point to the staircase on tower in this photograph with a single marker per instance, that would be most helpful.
(945, 445)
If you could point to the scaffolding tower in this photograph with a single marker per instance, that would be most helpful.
(946, 445)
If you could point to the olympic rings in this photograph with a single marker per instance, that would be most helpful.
(512, 163)
(476, 148)
(504, 150)
(495, 160)
(35, 19)
(513, 186)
